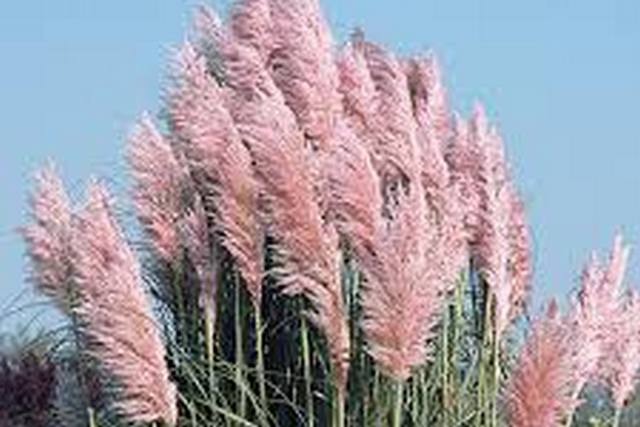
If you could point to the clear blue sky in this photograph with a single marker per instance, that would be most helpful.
(562, 79)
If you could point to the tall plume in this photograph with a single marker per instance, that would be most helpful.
(162, 187)
(303, 68)
(596, 308)
(118, 322)
(307, 245)
(359, 99)
(500, 246)
(48, 238)
(445, 213)
(402, 296)
(622, 361)
(220, 162)
(540, 388)
(395, 147)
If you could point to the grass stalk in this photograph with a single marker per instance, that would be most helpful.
(262, 388)
(397, 404)
(239, 339)
(306, 361)
(91, 415)
(446, 398)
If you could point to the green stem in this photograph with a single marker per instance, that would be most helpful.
(208, 337)
(445, 368)
(242, 398)
(262, 388)
(339, 406)
(496, 378)
(92, 417)
(457, 325)
(397, 405)
(306, 360)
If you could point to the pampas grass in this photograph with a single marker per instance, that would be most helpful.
(328, 197)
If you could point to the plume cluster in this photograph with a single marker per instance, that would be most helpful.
(119, 326)
(109, 304)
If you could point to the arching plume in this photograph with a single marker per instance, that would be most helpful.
(162, 187)
(622, 362)
(445, 213)
(48, 239)
(395, 147)
(302, 66)
(117, 320)
(402, 295)
(540, 388)
(221, 164)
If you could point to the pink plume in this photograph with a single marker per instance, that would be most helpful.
(251, 24)
(402, 297)
(540, 388)
(623, 354)
(596, 308)
(396, 150)
(443, 198)
(221, 164)
(121, 332)
(359, 100)
(303, 68)
(161, 187)
(48, 238)
(307, 246)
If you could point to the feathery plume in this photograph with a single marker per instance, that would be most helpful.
(48, 238)
(307, 246)
(519, 268)
(623, 356)
(596, 308)
(605, 325)
(302, 66)
(359, 100)
(119, 326)
(356, 196)
(221, 164)
(402, 297)
(162, 187)
(443, 199)
(396, 150)
(250, 23)
(539, 391)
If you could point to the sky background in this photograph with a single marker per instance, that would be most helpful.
(561, 79)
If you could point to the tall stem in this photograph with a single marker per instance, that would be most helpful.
(397, 404)
(339, 406)
(208, 338)
(306, 361)
(496, 378)
(92, 417)
(239, 347)
(445, 368)
(262, 389)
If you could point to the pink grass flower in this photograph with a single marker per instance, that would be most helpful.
(120, 329)
(221, 164)
(402, 297)
(622, 362)
(302, 66)
(162, 186)
(540, 387)
(48, 238)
